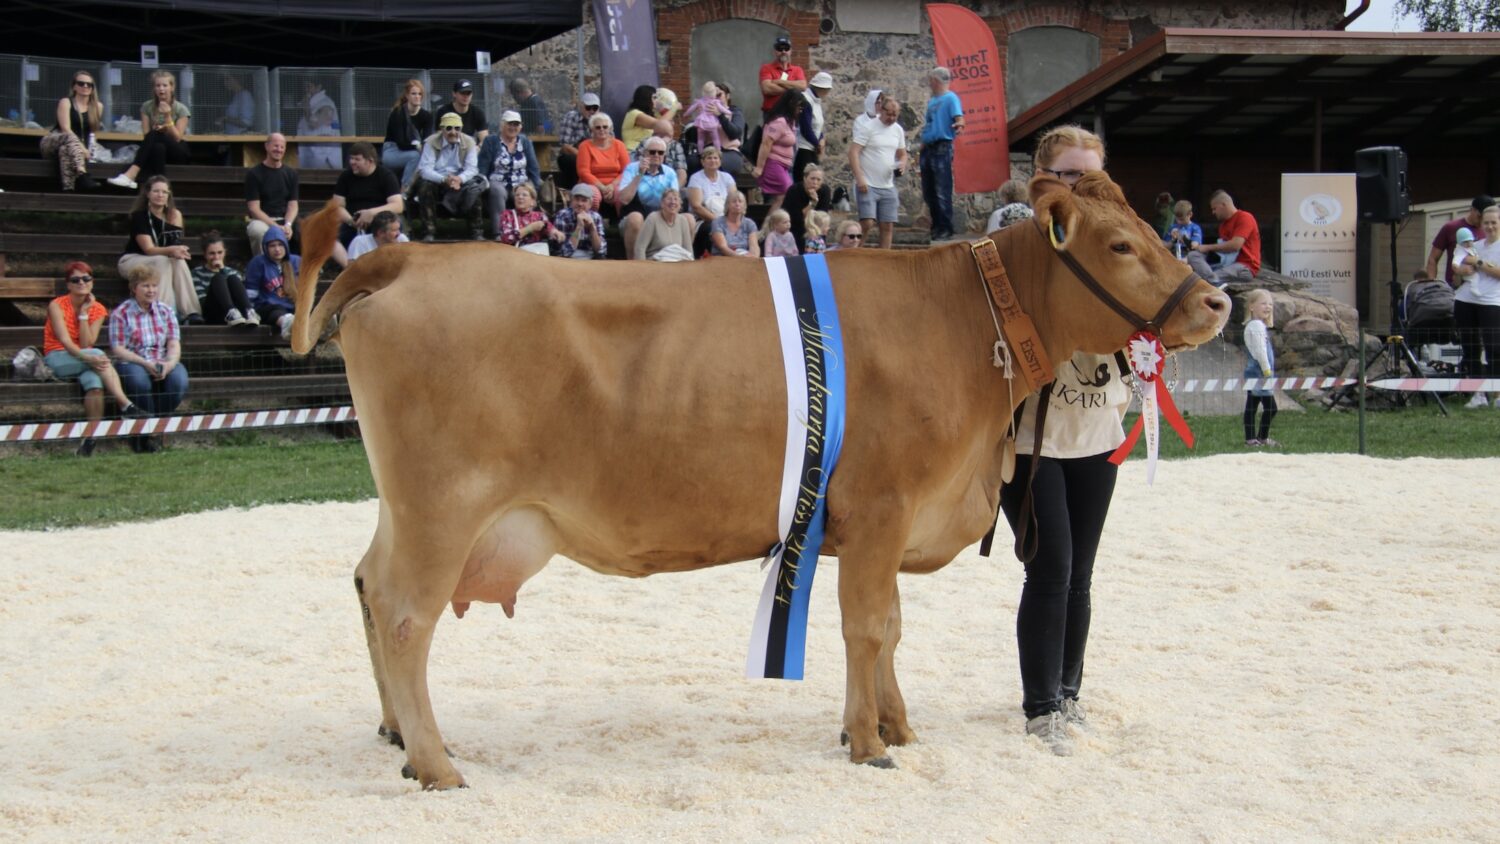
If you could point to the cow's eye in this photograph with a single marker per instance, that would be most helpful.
(1121, 248)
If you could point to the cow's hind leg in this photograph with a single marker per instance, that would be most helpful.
(890, 706)
(389, 727)
(867, 586)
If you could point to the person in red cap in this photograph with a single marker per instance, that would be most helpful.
(779, 76)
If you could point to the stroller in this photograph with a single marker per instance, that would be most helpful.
(1424, 316)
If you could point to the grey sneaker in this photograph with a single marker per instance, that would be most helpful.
(1074, 715)
(234, 317)
(1049, 728)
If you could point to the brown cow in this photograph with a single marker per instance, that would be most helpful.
(631, 416)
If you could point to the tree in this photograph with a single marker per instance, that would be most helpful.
(1452, 15)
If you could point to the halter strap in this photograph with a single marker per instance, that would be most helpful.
(1155, 323)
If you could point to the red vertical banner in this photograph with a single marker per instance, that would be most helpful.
(965, 45)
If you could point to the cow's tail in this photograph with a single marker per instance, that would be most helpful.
(319, 234)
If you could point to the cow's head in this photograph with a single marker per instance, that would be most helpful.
(1092, 222)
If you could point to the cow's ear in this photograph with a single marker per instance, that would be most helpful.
(1056, 208)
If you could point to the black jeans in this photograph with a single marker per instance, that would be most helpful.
(156, 152)
(224, 294)
(1478, 330)
(1071, 498)
(1267, 404)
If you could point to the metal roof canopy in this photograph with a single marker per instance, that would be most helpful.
(373, 33)
(1275, 92)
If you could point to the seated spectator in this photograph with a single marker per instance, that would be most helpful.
(147, 348)
(156, 237)
(817, 226)
(267, 275)
(363, 190)
(640, 119)
(811, 193)
(449, 176)
(508, 160)
(1013, 206)
(384, 229)
(272, 191)
(472, 116)
(527, 225)
(405, 130)
(581, 226)
(320, 116)
(601, 160)
(571, 135)
(1238, 246)
(68, 337)
(643, 185)
(733, 233)
(706, 192)
(847, 235)
(239, 115)
(164, 122)
(79, 116)
(665, 235)
(221, 288)
(1183, 235)
(676, 160)
(779, 240)
(534, 119)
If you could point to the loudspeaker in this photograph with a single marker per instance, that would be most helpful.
(1380, 184)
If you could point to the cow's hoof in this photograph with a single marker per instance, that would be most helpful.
(844, 738)
(897, 736)
(391, 736)
(408, 772)
(884, 762)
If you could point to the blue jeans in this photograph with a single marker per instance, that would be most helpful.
(157, 398)
(404, 160)
(66, 368)
(937, 185)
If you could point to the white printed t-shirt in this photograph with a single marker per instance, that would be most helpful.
(1085, 412)
(878, 158)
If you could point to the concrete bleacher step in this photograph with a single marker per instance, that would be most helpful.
(74, 245)
(114, 202)
(203, 337)
(212, 387)
(204, 173)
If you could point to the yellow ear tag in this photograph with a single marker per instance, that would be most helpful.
(1052, 231)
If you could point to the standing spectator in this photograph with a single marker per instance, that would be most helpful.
(665, 235)
(1443, 243)
(449, 174)
(78, 117)
(676, 159)
(267, 276)
(810, 126)
(877, 156)
(779, 240)
(640, 119)
(384, 229)
(1013, 206)
(147, 348)
(272, 192)
(573, 131)
(363, 191)
(471, 116)
(68, 337)
(601, 160)
(156, 237)
(320, 116)
(534, 119)
(778, 145)
(734, 233)
(220, 287)
(734, 133)
(847, 235)
(407, 127)
(1260, 363)
(1238, 246)
(239, 115)
(527, 225)
(811, 193)
(1183, 235)
(643, 186)
(164, 122)
(508, 161)
(1476, 305)
(945, 119)
(581, 226)
(779, 76)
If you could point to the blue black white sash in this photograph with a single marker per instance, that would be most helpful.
(812, 352)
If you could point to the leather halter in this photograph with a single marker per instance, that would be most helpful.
(1154, 324)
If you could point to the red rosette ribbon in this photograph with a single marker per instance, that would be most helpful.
(1146, 357)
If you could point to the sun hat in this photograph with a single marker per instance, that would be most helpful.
(510, 117)
(451, 119)
(821, 79)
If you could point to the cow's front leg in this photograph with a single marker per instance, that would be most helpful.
(867, 584)
(891, 706)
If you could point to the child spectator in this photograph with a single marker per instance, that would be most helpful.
(267, 276)
(705, 112)
(779, 240)
(527, 225)
(1184, 234)
(581, 226)
(68, 336)
(146, 345)
(220, 287)
(1259, 315)
(817, 225)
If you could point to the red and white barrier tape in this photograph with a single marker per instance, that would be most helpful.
(49, 431)
(1410, 385)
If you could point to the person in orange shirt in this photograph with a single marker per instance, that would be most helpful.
(68, 337)
(601, 160)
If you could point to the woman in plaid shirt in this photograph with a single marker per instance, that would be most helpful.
(146, 345)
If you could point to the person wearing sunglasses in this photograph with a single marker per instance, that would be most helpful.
(572, 131)
(74, 320)
(847, 235)
(78, 118)
(643, 186)
(449, 176)
(778, 76)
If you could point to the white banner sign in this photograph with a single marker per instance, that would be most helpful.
(1318, 224)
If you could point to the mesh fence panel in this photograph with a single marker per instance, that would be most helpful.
(293, 90)
(135, 89)
(376, 92)
(440, 92)
(54, 80)
(555, 89)
(225, 97)
(11, 88)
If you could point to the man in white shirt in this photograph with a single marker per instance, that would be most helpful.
(877, 156)
(385, 228)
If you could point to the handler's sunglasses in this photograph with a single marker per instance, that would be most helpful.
(80, 279)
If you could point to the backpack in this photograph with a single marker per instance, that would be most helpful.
(30, 365)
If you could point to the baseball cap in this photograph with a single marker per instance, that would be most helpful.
(451, 119)
(463, 86)
(509, 116)
(783, 42)
(591, 99)
(582, 189)
(821, 79)
(1463, 235)
(1482, 202)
